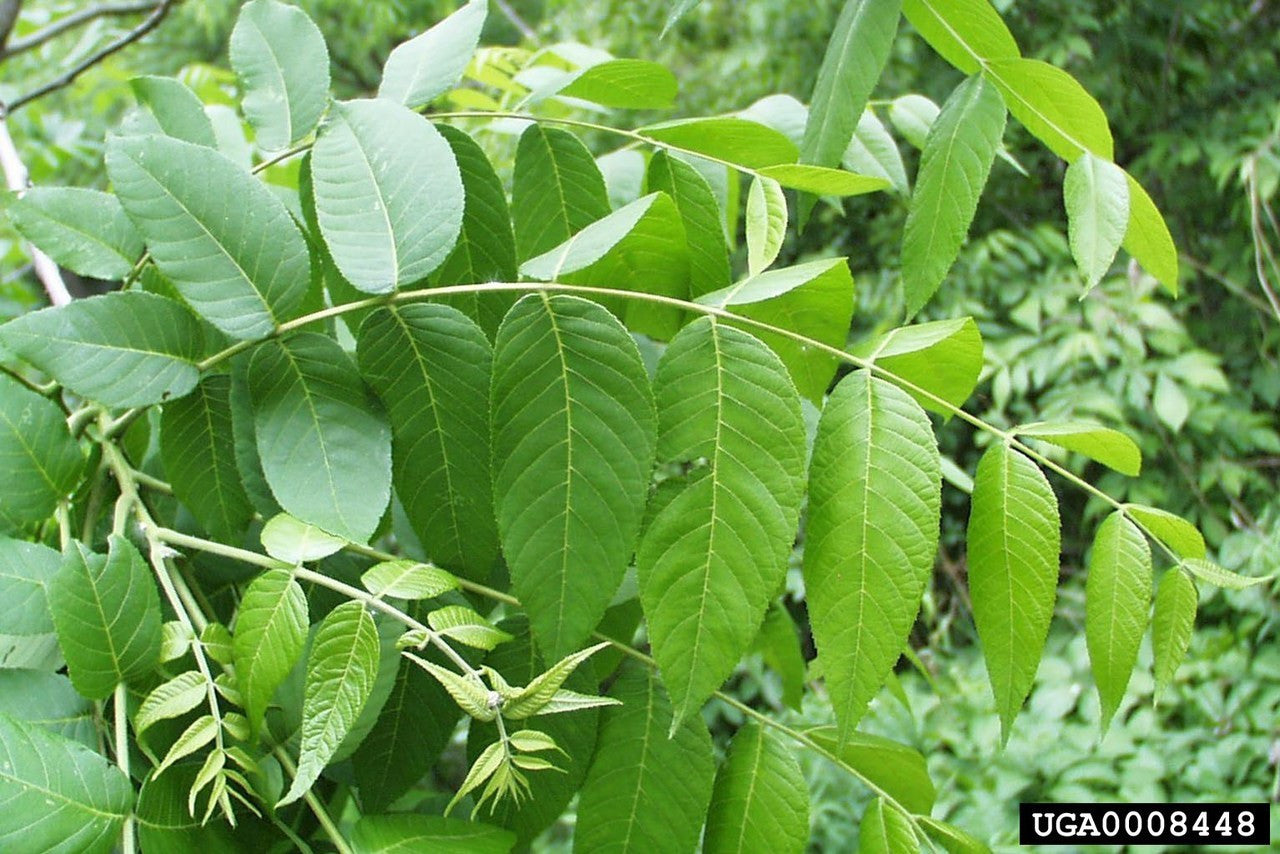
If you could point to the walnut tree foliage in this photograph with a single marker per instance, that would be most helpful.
(428, 417)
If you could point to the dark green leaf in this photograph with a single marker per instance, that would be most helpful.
(39, 461)
(25, 571)
(708, 251)
(47, 700)
(897, 769)
(85, 231)
(557, 190)
(406, 833)
(176, 109)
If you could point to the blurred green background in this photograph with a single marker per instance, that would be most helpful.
(1193, 94)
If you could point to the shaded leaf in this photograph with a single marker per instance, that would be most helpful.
(1096, 195)
(708, 251)
(25, 572)
(406, 832)
(176, 109)
(556, 192)
(872, 151)
(897, 769)
(47, 700)
(39, 461)
(84, 230)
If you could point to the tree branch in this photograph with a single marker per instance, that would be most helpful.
(15, 177)
(9, 10)
(68, 77)
(75, 19)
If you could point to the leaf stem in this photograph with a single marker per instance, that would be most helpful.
(317, 807)
(120, 712)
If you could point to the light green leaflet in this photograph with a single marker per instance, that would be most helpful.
(875, 486)
(872, 151)
(573, 441)
(224, 239)
(125, 348)
(281, 59)
(1172, 625)
(1110, 447)
(270, 631)
(425, 67)
(962, 31)
(405, 833)
(25, 572)
(1210, 573)
(761, 800)
(766, 223)
(407, 579)
(325, 453)
(854, 60)
(39, 461)
(107, 614)
(1117, 603)
(294, 541)
(340, 675)
(897, 769)
(912, 116)
(176, 109)
(822, 180)
(885, 830)
(556, 192)
(943, 357)
(641, 247)
(197, 445)
(707, 249)
(164, 820)
(1051, 104)
(1096, 195)
(1013, 543)
(57, 795)
(813, 299)
(1148, 240)
(648, 787)
(85, 231)
(388, 194)
(741, 141)
(628, 84)
(1177, 533)
(430, 365)
(714, 555)
(957, 158)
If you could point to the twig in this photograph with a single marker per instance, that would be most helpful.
(15, 176)
(68, 77)
(9, 10)
(75, 19)
(516, 21)
(121, 715)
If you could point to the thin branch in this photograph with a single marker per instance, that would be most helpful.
(15, 177)
(516, 21)
(69, 22)
(68, 77)
(9, 10)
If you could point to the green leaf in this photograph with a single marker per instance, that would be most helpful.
(25, 571)
(533, 698)
(469, 693)
(885, 830)
(390, 633)
(324, 450)
(39, 461)
(641, 247)
(198, 735)
(293, 541)
(1110, 447)
(271, 631)
(340, 674)
(1172, 530)
(1051, 104)
(1210, 573)
(952, 839)
(47, 700)
(556, 192)
(463, 624)
(431, 366)
(486, 247)
(248, 464)
(407, 579)
(1014, 538)
(1171, 627)
(57, 795)
(766, 223)
(1170, 402)
(625, 84)
(405, 833)
(700, 212)
(119, 349)
(83, 230)
(913, 116)
(954, 166)
(413, 728)
(761, 800)
(875, 485)
(573, 441)
(779, 645)
(963, 32)
(176, 108)
(740, 141)
(1096, 194)
(649, 785)
(1148, 240)
(872, 151)
(897, 769)
(428, 65)
(197, 446)
(943, 357)
(388, 194)
(715, 554)
(813, 299)
(1117, 603)
(822, 180)
(166, 825)
(170, 699)
(280, 57)
(107, 614)
(226, 241)
(853, 62)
